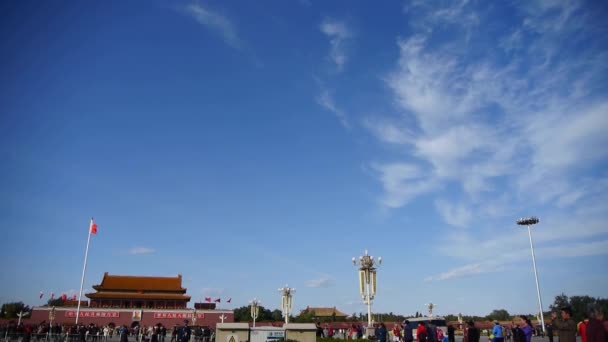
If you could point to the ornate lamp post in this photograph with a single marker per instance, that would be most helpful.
(51, 318)
(431, 306)
(529, 222)
(255, 309)
(367, 281)
(287, 301)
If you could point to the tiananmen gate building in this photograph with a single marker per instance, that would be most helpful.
(129, 300)
(139, 293)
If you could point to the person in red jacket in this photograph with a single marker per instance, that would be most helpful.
(421, 332)
(582, 329)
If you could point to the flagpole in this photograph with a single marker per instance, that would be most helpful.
(84, 269)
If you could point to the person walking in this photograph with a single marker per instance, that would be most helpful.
(396, 333)
(451, 337)
(422, 333)
(382, 333)
(408, 334)
(473, 334)
(566, 327)
(526, 330)
(498, 332)
(596, 329)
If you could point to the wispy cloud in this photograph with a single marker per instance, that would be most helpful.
(325, 100)
(320, 283)
(339, 34)
(454, 214)
(141, 251)
(524, 125)
(216, 22)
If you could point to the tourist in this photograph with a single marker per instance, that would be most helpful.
(174, 334)
(472, 332)
(440, 335)
(382, 333)
(163, 333)
(508, 334)
(421, 332)
(549, 328)
(597, 328)
(408, 334)
(497, 332)
(431, 332)
(319, 330)
(326, 331)
(451, 336)
(526, 329)
(124, 334)
(582, 329)
(396, 333)
(566, 327)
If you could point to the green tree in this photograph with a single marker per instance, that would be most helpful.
(560, 301)
(55, 302)
(499, 315)
(277, 315)
(10, 310)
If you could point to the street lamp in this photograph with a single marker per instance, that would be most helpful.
(367, 281)
(529, 222)
(255, 309)
(287, 301)
(431, 306)
(51, 318)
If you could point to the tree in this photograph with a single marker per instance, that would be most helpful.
(55, 302)
(560, 301)
(499, 315)
(10, 310)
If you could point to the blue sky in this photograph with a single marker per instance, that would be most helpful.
(250, 145)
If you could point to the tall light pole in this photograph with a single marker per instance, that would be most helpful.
(367, 281)
(431, 306)
(529, 222)
(287, 301)
(255, 309)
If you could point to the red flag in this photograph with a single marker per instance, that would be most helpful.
(219, 300)
(229, 300)
(208, 299)
(93, 227)
(64, 297)
(41, 294)
(74, 298)
(52, 295)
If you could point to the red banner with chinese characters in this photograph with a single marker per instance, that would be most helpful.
(96, 314)
(169, 315)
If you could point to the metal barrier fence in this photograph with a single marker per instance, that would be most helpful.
(20, 337)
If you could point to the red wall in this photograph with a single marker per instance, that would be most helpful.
(211, 318)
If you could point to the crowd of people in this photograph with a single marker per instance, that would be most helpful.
(593, 329)
(94, 333)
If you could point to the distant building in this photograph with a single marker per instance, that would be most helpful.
(322, 313)
(133, 292)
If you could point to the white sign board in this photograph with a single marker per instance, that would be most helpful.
(267, 335)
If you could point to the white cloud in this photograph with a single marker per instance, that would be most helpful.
(455, 215)
(464, 271)
(338, 33)
(141, 251)
(321, 282)
(521, 127)
(389, 132)
(326, 101)
(215, 22)
(402, 182)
